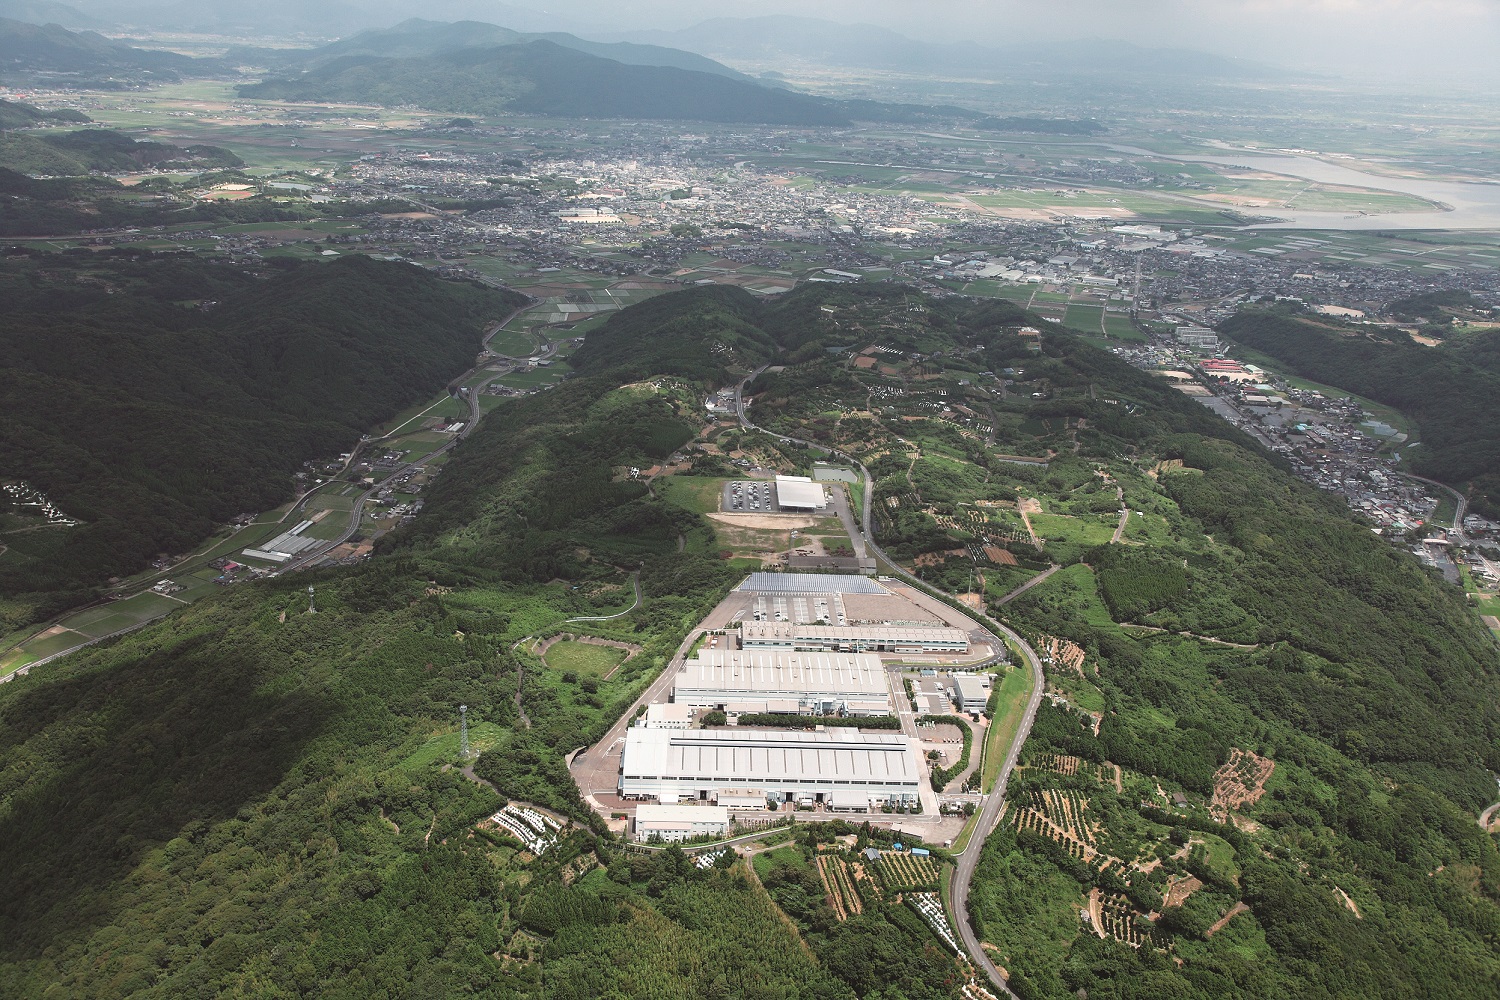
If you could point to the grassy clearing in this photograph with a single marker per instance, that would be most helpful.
(583, 658)
(699, 495)
(1067, 537)
(482, 736)
(1086, 318)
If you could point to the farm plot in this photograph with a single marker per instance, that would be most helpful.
(904, 872)
(839, 882)
(1240, 782)
(1114, 917)
(1059, 816)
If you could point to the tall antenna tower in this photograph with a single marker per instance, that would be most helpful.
(311, 607)
(463, 731)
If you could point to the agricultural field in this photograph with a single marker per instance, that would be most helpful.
(902, 871)
(841, 881)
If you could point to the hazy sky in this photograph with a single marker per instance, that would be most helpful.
(1440, 34)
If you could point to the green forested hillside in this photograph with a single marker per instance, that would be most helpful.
(81, 152)
(249, 799)
(699, 334)
(1449, 391)
(14, 114)
(544, 78)
(155, 415)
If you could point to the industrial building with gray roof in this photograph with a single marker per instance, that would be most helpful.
(787, 682)
(837, 766)
(853, 638)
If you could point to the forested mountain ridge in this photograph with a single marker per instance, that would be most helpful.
(542, 77)
(155, 416)
(1448, 391)
(417, 37)
(51, 48)
(278, 783)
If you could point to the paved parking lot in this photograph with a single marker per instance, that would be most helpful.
(750, 497)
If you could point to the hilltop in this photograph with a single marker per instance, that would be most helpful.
(74, 154)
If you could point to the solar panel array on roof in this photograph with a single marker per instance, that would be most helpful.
(810, 583)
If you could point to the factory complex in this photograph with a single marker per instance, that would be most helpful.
(785, 703)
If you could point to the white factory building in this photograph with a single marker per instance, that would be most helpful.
(853, 638)
(784, 682)
(668, 716)
(799, 493)
(971, 692)
(675, 824)
(841, 767)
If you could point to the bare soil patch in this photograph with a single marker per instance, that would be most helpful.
(1240, 782)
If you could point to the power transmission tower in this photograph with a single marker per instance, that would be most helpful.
(463, 731)
(311, 607)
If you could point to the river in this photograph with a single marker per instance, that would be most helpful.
(1471, 205)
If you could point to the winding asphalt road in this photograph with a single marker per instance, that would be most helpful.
(994, 800)
(635, 578)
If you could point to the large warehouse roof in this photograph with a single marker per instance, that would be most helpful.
(769, 631)
(810, 583)
(800, 492)
(784, 672)
(772, 757)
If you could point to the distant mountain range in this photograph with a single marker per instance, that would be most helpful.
(53, 49)
(270, 18)
(416, 38)
(476, 68)
(791, 40)
(543, 77)
(48, 12)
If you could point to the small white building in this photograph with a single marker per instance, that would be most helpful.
(678, 823)
(971, 692)
(670, 716)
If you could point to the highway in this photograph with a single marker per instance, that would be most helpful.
(994, 800)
